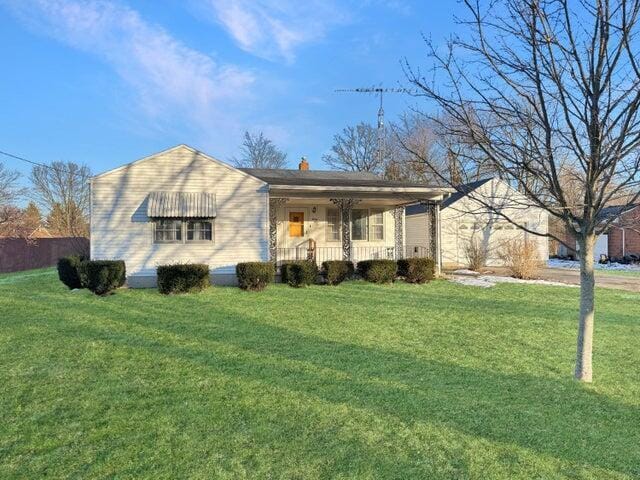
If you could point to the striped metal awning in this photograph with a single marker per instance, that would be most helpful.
(181, 205)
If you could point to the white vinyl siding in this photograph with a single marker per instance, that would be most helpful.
(120, 228)
(467, 219)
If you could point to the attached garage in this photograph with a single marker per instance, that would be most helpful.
(464, 220)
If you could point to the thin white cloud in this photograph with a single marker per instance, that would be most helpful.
(274, 29)
(166, 75)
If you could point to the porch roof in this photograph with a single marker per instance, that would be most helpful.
(314, 182)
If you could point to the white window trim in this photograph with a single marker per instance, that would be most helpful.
(183, 231)
(185, 226)
(366, 240)
(384, 225)
(369, 238)
(166, 242)
(326, 226)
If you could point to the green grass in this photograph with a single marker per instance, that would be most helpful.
(439, 381)
(619, 273)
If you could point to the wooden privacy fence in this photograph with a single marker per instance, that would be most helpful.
(17, 254)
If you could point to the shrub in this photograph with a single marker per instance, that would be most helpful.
(299, 273)
(337, 271)
(417, 270)
(255, 275)
(521, 258)
(476, 254)
(377, 271)
(183, 278)
(104, 276)
(71, 271)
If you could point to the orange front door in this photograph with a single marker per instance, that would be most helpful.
(296, 224)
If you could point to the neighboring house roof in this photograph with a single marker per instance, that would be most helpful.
(465, 190)
(181, 205)
(615, 211)
(41, 232)
(326, 178)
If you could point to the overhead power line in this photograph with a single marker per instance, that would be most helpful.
(11, 155)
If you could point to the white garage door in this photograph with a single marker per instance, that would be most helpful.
(491, 237)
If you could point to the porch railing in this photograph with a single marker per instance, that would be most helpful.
(323, 254)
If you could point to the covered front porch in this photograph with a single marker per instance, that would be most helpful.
(365, 225)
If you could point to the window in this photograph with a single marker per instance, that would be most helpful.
(168, 231)
(359, 224)
(182, 231)
(199, 231)
(333, 225)
(377, 224)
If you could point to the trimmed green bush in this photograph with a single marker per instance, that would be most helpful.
(337, 271)
(71, 271)
(255, 276)
(299, 273)
(104, 276)
(183, 278)
(377, 271)
(417, 270)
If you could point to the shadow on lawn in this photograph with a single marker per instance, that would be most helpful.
(554, 417)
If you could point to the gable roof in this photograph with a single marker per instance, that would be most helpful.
(182, 146)
(465, 190)
(305, 179)
(325, 178)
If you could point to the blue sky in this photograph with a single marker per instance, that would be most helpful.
(107, 82)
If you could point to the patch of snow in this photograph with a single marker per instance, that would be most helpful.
(472, 281)
(496, 279)
(487, 281)
(575, 265)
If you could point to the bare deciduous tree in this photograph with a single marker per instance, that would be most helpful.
(64, 186)
(536, 86)
(417, 132)
(257, 151)
(355, 149)
(10, 191)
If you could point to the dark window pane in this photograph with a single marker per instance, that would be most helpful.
(359, 224)
(199, 231)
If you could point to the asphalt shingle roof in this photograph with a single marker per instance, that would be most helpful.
(326, 178)
(453, 198)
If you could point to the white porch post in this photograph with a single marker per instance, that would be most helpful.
(274, 205)
(398, 217)
(433, 234)
(437, 240)
(345, 205)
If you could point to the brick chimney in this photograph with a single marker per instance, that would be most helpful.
(303, 165)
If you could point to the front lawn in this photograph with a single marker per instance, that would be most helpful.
(355, 381)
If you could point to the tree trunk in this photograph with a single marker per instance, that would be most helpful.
(585, 328)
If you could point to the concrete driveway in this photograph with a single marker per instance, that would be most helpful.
(570, 276)
(605, 280)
